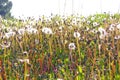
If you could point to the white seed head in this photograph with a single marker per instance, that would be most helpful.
(76, 34)
(47, 30)
(95, 24)
(71, 46)
(21, 31)
(118, 26)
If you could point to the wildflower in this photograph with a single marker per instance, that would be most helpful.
(111, 28)
(25, 52)
(9, 34)
(83, 20)
(60, 29)
(28, 26)
(118, 26)
(117, 37)
(24, 60)
(19, 37)
(47, 30)
(101, 30)
(32, 30)
(8, 29)
(76, 34)
(21, 31)
(71, 46)
(27, 61)
(57, 22)
(36, 41)
(102, 36)
(95, 24)
(103, 33)
(20, 60)
(74, 22)
(5, 45)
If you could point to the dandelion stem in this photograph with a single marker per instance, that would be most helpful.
(109, 67)
(78, 47)
(25, 73)
(50, 49)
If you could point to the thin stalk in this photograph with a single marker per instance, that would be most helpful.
(78, 47)
(109, 67)
(5, 54)
(50, 46)
(25, 69)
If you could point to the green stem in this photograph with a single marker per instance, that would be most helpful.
(25, 73)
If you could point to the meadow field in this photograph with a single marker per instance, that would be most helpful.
(60, 48)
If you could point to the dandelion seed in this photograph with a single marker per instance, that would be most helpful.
(9, 34)
(83, 20)
(16, 64)
(27, 61)
(71, 46)
(21, 60)
(101, 30)
(24, 60)
(118, 26)
(111, 28)
(95, 24)
(74, 21)
(25, 52)
(57, 22)
(76, 34)
(5, 45)
(47, 30)
(21, 31)
(117, 37)
(88, 22)
(36, 41)
(32, 31)
(60, 28)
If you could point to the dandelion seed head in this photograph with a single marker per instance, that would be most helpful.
(36, 41)
(117, 37)
(95, 24)
(25, 52)
(9, 34)
(21, 31)
(76, 34)
(111, 28)
(32, 31)
(118, 26)
(88, 22)
(5, 45)
(71, 46)
(101, 30)
(83, 20)
(47, 30)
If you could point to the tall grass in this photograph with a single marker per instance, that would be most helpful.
(62, 48)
